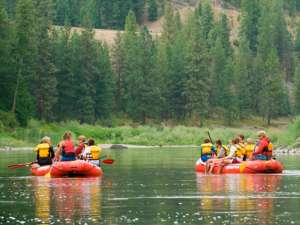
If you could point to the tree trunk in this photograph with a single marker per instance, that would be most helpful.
(14, 104)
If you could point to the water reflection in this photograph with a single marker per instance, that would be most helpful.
(239, 195)
(67, 200)
(42, 199)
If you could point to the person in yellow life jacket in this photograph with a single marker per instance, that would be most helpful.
(92, 152)
(44, 152)
(241, 145)
(249, 148)
(207, 150)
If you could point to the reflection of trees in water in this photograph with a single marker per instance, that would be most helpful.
(72, 199)
(242, 195)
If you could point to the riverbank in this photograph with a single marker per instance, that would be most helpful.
(137, 136)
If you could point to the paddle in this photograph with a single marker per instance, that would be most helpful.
(210, 137)
(107, 161)
(20, 165)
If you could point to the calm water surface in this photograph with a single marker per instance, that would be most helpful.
(149, 186)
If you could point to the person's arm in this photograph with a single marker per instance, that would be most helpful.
(79, 149)
(221, 153)
(58, 151)
(52, 154)
(232, 152)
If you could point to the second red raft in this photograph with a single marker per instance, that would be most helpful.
(67, 169)
(255, 166)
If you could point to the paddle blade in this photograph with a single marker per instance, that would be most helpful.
(108, 161)
(20, 165)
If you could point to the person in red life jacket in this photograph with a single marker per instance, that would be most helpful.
(81, 146)
(263, 149)
(66, 148)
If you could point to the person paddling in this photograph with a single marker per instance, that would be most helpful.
(264, 147)
(92, 153)
(66, 148)
(44, 152)
(207, 150)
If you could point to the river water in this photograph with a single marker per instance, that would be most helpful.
(149, 186)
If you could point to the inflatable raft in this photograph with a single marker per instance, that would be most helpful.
(77, 168)
(256, 166)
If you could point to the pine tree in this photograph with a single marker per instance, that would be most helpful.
(197, 85)
(6, 41)
(249, 22)
(64, 73)
(243, 75)
(118, 66)
(206, 18)
(105, 85)
(45, 80)
(273, 96)
(87, 74)
(26, 52)
(152, 10)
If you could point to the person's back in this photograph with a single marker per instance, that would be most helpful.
(44, 152)
(92, 153)
(249, 148)
(66, 148)
(207, 150)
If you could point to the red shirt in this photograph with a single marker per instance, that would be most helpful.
(79, 148)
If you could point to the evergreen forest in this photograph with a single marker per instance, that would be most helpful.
(194, 70)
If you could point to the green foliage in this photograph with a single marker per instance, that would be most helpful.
(297, 89)
(152, 10)
(8, 119)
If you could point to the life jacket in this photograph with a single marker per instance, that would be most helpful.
(239, 151)
(249, 148)
(68, 148)
(43, 150)
(94, 153)
(268, 151)
(227, 150)
(206, 149)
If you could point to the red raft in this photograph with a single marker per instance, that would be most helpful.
(77, 168)
(256, 166)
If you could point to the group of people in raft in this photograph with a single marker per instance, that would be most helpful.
(236, 152)
(67, 151)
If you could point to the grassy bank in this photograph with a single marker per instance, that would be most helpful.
(141, 135)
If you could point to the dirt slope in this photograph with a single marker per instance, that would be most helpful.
(108, 36)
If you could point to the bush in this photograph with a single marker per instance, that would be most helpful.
(8, 119)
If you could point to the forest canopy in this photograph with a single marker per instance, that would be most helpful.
(193, 70)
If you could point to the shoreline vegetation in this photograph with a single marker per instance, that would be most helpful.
(283, 134)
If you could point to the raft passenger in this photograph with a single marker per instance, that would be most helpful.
(44, 152)
(264, 147)
(249, 148)
(81, 146)
(221, 151)
(235, 155)
(92, 153)
(66, 148)
(207, 150)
